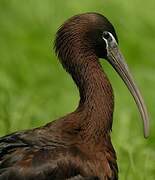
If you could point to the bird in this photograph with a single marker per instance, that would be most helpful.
(78, 145)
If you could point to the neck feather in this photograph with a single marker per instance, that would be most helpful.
(96, 95)
(95, 110)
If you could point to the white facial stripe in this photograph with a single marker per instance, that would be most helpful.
(106, 42)
(110, 43)
(113, 39)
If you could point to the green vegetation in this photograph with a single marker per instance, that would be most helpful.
(34, 88)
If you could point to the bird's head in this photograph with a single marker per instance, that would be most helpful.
(91, 34)
(85, 32)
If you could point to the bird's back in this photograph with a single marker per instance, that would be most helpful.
(54, 153)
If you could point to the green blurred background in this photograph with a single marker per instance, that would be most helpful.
(34, 88)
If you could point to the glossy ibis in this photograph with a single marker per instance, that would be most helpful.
(77, 146)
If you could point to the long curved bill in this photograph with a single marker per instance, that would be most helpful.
(117, 60)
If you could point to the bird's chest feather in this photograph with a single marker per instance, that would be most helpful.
(103, 167)
(100, 164)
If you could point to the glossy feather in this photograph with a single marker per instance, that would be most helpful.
(77, 146)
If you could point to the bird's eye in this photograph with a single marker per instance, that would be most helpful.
(106, 34)
(109, 39)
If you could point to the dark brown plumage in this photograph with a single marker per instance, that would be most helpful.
(78, 145)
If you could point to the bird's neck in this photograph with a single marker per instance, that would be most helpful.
(96, 97)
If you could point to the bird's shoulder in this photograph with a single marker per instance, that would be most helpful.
(50, 152)
(34, 162)
(40, 153)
